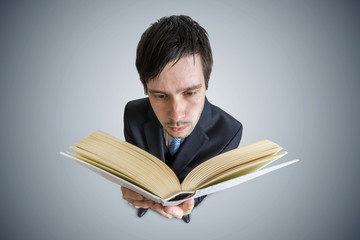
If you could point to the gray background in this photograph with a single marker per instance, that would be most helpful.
(288, 70)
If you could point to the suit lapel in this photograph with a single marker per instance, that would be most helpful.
(189, 149)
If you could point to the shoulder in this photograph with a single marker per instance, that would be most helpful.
(216, 119)
(224, 119)
(139, 108)
(138, 111)
(138, 105)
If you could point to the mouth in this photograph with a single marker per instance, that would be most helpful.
(178, 129)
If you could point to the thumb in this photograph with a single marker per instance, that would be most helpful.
(188, 205)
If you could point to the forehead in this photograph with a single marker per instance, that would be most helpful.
(187, 71)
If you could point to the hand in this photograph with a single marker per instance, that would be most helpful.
(175, 211)
(136, 200)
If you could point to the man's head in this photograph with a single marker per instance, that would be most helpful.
(174, 61)
(168, 40)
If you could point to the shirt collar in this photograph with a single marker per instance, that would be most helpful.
(168, 138)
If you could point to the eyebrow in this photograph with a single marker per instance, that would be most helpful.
(198, 86)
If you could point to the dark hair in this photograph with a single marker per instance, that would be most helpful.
(169, 39)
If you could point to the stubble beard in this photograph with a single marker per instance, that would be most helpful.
(189, 125)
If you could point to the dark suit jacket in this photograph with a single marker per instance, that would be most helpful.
(216, 132)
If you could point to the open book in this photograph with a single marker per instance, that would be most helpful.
(138, 170)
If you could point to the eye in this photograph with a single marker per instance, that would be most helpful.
(159, 96)
(190, 93)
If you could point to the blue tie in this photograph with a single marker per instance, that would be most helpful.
(174, 146)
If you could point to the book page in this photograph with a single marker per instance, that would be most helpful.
(240, 170)
(129, 160)
(217, 165)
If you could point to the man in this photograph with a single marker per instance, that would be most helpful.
(176, 123)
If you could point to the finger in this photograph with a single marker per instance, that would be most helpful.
(183, 209)
(160, 209)
(175, 211)
(131, 195)
(143, 204)
(125, 193)
(187, 206)
(128, 194)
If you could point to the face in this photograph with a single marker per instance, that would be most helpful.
(177, 95)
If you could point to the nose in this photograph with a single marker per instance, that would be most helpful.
(176, 109)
